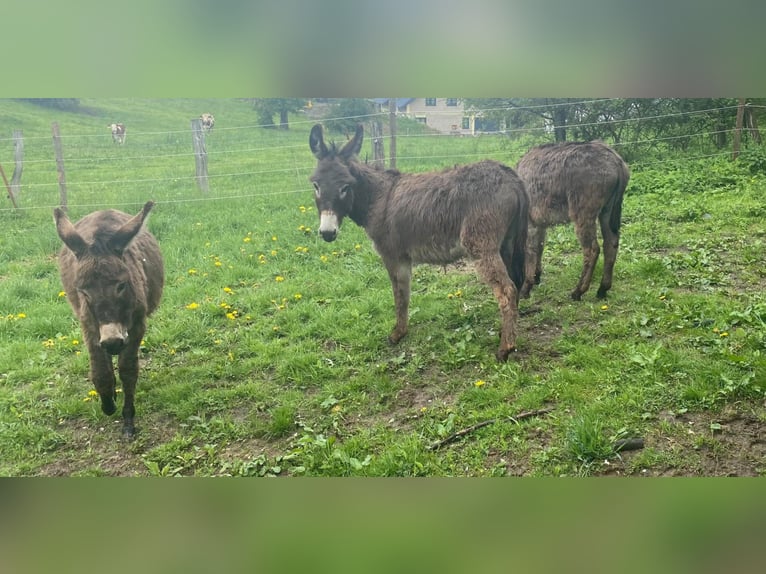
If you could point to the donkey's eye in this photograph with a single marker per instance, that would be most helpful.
(316, 188)
(344, 191)
(121, 287)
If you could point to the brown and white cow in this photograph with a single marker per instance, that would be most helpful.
(118, 133)
(208, 121)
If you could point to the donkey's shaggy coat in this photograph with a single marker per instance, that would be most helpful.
(578, 182)
(477, 211)
(113, 274)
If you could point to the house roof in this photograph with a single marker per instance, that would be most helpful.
(400, 102)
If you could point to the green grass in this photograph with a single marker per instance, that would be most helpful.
(268, 354)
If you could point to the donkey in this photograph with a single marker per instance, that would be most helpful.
(479, 211)
(113, 274)
(578, 182)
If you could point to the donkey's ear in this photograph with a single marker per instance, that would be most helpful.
(354, 146)
(316, 142)
(68, 233)
(125, 234)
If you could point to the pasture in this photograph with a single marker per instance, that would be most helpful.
(268, 354)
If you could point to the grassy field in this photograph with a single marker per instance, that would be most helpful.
(268, 354)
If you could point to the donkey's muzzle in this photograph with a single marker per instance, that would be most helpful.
(329, 234)
(328, 225)
(113, 338)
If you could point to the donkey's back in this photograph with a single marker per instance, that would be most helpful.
(578, 182)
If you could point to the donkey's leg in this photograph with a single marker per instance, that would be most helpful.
(127, 363)
(534, 255)
(491, 270)
(400, 273)
(586, 234)
(611, 245)
(102, 374)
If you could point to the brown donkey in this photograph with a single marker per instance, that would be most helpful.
(578, 182)
(113, 274)
(477, 211)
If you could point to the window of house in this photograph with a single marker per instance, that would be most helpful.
(421, 119)
(430, 101)
(452, 101)
(466, 123)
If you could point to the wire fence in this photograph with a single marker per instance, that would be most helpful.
(249, 161)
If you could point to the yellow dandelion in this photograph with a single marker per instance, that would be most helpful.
(217, 341)
(323, 258)
(92, 393)
(227, 290)
(302, 208)
(48, 343)
(62, 293)
(192, 306)
(479, 383)
(21, 316)
(218, 263)
(192, 271)
(715, 329)
(273, 237)
(86, 399)
(273, 252)
(247, 239)
(279, 278)
(275, 328)
(297, 296)
(423, 409)
(231, 315)
(357, 246)
(724, 334)
(604, 307)
(336, 409)
(75, 342)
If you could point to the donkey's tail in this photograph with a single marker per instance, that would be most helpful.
(614, 205)
(514, 245)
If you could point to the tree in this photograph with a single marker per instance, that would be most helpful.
(347, 113)
(267, 108)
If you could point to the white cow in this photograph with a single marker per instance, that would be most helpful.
(118, 133)
(208, 121)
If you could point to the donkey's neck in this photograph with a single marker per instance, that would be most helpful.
(372, 185)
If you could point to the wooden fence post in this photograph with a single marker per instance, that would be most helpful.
(392, 129)
(8, 187)
(378, 152)
(59, 165)
(18, 156)
(200, 154)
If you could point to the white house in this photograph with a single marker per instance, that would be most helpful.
(446, 115)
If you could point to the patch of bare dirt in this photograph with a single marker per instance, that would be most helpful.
(728, 443)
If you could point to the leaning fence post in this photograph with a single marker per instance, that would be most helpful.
(200, 153)
(59, 164)
(8, 187)
(18, 156)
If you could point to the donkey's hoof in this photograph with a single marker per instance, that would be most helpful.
(128, 431)
(601, 293)
(394, 338)
(503, 354)
(576, 296)
(107, 406)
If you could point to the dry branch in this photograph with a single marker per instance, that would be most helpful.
(456, 435)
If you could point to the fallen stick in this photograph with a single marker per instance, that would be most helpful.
(456, 435)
